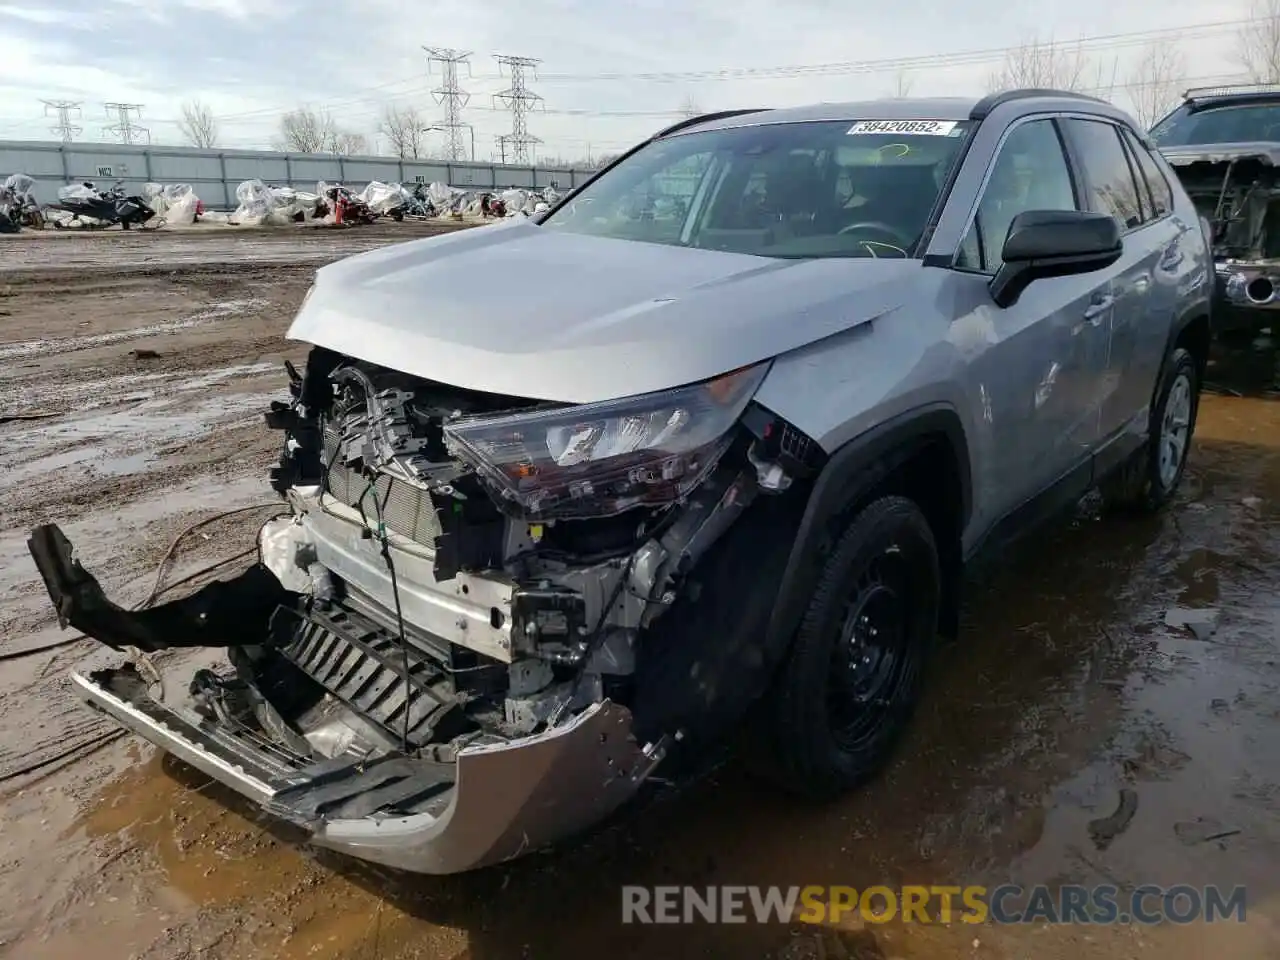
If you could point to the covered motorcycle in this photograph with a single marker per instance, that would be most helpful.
(342, 204)
(90, 207)
(18, 204)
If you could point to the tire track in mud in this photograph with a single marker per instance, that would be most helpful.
(44, 348)
(60, 252)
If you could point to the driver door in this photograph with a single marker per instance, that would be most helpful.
(1038, 378)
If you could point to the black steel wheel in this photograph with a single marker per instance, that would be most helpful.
(853, 675)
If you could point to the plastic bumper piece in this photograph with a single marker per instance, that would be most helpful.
(505, 799)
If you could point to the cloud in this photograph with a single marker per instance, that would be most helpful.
(252, 61)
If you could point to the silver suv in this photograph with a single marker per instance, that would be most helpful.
(704, 449)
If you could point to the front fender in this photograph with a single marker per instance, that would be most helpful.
(850, 474)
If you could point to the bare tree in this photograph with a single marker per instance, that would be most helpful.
(689, 106)
(1258, 42)
(1045, 65)
(198, 125)
(347, 144)
(404, 127)
(902, 85)
(306, 131)
(1155, 85)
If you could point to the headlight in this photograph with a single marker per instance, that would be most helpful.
(599, 459)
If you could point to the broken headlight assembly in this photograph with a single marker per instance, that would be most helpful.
(600, 459)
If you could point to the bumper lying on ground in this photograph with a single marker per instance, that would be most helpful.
(497, 801)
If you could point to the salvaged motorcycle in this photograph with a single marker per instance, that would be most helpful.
(18, 205)
(96, 209)
(334, 198)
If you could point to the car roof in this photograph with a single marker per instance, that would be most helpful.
(901, 108)
(1206, 98)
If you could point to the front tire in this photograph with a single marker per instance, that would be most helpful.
(1152, 478)
(853, 676)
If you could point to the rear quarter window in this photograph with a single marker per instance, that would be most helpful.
(1161, 194)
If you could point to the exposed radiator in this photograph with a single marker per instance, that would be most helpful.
(406, 509)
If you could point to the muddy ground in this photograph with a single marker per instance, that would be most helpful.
(132, 374)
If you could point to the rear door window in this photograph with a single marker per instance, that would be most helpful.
(1111, 185)
(1161, 194)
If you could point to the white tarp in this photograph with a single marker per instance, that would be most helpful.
(514, 201)
(382, 198)
(77, 191)
(174, 203)
(261, 205)
(443, 196)
(20, 185)
(16, 195)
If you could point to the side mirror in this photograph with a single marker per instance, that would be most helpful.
(1054, 243)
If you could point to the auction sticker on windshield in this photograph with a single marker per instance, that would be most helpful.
(919, 128)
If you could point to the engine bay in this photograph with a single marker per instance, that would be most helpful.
(1240, 198)
(526, 581)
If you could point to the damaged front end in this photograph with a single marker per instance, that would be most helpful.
(1236, 189)
(434, 664)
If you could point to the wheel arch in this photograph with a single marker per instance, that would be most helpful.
(868, 464)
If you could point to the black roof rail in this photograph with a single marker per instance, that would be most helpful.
(706, 118)
(983, 108)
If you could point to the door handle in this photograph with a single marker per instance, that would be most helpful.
(1100, 305)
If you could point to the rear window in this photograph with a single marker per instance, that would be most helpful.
(1225, 124)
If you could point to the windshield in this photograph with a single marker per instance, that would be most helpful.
(822, 189)
(1246, 123)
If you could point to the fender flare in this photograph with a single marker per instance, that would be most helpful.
(849, 474)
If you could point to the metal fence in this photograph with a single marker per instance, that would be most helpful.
(214, 174)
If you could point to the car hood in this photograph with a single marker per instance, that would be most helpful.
(528, 311)
(1267, 151)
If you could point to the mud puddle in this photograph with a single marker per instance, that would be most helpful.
(120, 442)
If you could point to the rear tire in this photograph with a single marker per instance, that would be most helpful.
(1151, 479)
(854, 672)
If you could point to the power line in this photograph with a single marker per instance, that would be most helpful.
(519, 99)
(124, 129)
(65, 130)
(961, 58)
(453, 98)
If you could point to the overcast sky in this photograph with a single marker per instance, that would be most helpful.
(250, 61)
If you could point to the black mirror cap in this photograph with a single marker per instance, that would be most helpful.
(1054, 243)
(1052, 234)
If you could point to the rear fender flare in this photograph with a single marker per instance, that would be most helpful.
(1176, 330)
(849, 475)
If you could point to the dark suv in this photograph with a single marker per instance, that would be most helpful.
(1224, 144)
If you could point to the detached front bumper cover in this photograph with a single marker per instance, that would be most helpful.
(505, 800)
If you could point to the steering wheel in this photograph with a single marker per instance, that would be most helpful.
(876, 226)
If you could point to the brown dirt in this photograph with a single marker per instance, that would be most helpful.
(1065, 688)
